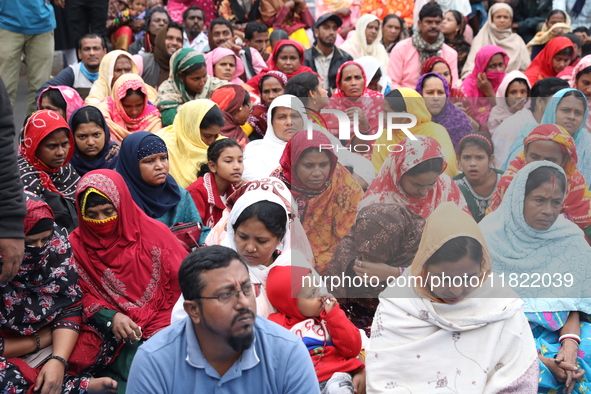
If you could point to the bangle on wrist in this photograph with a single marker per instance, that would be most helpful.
(574, 337)
(38, 342)
(61, 359)
(569, 339)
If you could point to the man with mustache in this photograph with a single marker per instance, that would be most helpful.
(222, 345)
(194, 24)
(427, 41)
(323, 57)
(80, 76)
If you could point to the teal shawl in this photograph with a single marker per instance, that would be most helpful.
(518, 248)
(582, 136)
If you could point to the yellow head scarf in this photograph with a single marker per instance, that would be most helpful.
(186, 149)
(415, 104)
(447, 222)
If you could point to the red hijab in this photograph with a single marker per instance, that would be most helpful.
(254, 82)
(541, 66)
(293, 153)
(577, 199)
(283, 286)
(370, 103)
(230, 99)
(40, 125)
(134, 270)
(427, 67)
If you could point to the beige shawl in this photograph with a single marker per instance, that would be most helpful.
(482, 344)
(519, 58)
(357, 47)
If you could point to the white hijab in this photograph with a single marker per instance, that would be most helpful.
(371, 65)
(259, 273)
(249, 198)
(261, 157)
(357, 47)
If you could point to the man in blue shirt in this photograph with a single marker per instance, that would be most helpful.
(222, 346)
(26, 26)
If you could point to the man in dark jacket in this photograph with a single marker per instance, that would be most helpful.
(323, 57)
(12, 203)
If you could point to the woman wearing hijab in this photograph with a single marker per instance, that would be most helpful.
(562, 151)
(44, 164)
(299, 240)
(223, 64)
(434, 88)
(46, 288)
(128, 110)
(497, 31)
(382, 243)
(408, 100)
(473, 338)
(271, 85)
(512, 96)
(325, 192)
(287, 116)
(258, 213)
(197, 124)
(308, 87)
(575, 103)
(62, 99)
(235, 104)
(113, 65)
(557, 24)
(581, 80)
(415, 179)
(187, 65)
(288, 58)
(93, 148)
(367, 40)
(143, 164)
(519, 125)
(525, 241)
(352, 93)
(128, 265)
(555, 56)
(480, 87)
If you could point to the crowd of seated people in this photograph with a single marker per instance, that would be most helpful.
(192, 197)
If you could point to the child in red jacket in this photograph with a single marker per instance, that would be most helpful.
(332, 340)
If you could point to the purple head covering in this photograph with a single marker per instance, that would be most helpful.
(451, 117)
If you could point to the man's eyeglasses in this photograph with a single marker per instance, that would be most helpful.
(226, 297)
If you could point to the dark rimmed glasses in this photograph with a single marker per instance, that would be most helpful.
(227, 296)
